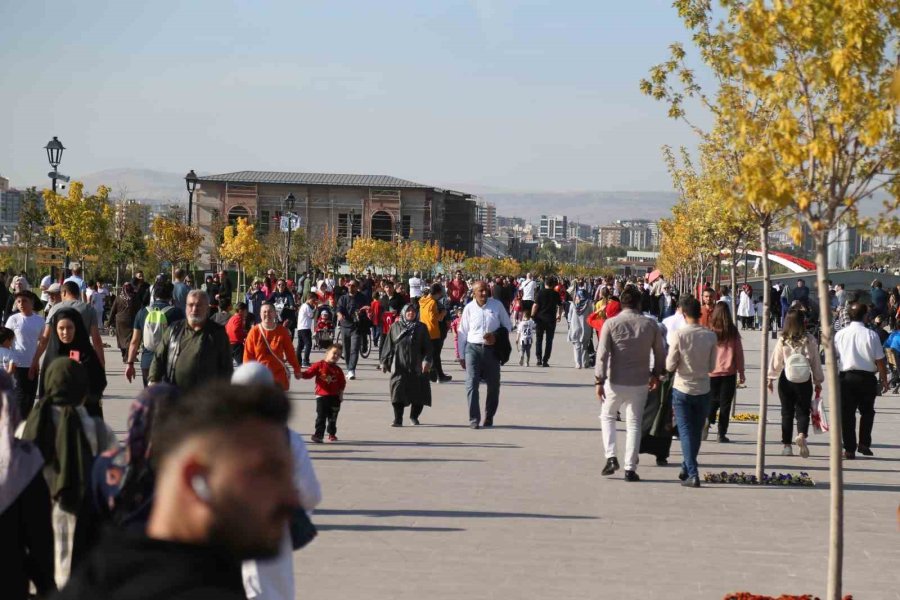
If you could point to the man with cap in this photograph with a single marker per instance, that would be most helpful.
(27, 327)
(54, 296)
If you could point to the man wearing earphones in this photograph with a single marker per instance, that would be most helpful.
(224, 493)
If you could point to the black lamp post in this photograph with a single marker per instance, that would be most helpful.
(54, 150)
(288, 210)
(191, 181)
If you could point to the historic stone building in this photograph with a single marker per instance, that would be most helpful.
(374, 206)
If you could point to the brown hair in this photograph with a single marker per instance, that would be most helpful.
(794, 330)
(721, 324)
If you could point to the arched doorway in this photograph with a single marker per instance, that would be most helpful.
(238, 212)
(382, 226)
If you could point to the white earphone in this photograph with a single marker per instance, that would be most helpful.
(201, 487)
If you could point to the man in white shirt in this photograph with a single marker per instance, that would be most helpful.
(529, 291)
(415, 288)
(77, 278)
(861, 355)
(305, 318)
(28, 327)
(673, 324)
(46, 282)
(476, 338)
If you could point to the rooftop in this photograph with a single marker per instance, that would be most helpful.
(331, 179)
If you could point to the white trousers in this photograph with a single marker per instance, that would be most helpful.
(631, 400)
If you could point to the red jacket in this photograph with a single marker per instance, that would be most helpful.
(235, 329)
(330, 379)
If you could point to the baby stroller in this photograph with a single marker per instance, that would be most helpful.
(323, 335)
(893, 370)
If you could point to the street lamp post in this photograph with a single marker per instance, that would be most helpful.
(288, 210)
(54, 150)
(191, 181)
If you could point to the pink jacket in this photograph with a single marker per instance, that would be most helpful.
(729, 358)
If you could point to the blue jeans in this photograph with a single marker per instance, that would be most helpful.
(482, 363)
(690, 412)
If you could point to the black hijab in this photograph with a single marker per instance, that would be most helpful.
(81, 344)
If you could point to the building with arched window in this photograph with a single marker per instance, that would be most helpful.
(375, 206)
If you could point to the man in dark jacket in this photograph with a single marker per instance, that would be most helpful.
(224, 493)
(192, 351)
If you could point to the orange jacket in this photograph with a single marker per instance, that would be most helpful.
(279, 339)
(429, 315)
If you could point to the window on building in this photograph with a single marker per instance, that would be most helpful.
(344, 225)
(406, 226)
(265, 222)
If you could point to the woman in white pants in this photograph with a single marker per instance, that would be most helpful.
(579, 334)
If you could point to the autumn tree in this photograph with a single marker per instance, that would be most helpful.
(325, 249)
(30, 230)
(807, 115)
(82, 222)
(451, 260)
(241, 247)
(276, 251)
(363, 254)
(173, 242)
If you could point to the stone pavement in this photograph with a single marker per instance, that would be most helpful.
(521, 511)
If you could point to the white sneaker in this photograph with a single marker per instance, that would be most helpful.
(801, 444)
(787, 450)
(351, 374)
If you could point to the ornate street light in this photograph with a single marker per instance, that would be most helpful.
(191, 181)
(54, 150)
(288, 211)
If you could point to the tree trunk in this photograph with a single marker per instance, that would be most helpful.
(734, 295)
(763, 353)
(836, 539)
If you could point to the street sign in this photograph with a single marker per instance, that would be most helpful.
(48, 252)
(295, 222)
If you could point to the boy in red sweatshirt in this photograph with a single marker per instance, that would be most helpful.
(330, 384)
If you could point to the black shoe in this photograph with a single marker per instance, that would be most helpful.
(396, 424)
(865, 451)
(691, 482)
(612, 465)
(474, 425)
(724, 440)
(849, 455)
(682, 475)
(488, 423)
(445, 378)
(414, 421)
(631, 476)
(661, 462)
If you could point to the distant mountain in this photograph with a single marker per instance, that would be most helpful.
(146, 185)
(589, 207)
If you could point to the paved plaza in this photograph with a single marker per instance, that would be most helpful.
(521, 511)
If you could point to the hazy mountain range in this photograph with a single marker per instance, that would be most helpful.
(590, 207)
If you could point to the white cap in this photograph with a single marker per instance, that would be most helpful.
(252, 373)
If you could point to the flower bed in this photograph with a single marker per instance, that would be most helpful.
(749, 596)
(773, 478)
(748, 417)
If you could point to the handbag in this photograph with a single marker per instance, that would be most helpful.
(302, 529)
(817, 415)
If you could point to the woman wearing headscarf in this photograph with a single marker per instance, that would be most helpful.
(26, 536)
(18, 284)
(407, 354)
(579, 334)
(69, 338)
(123, 479)
(269, 343)
(69, 439)
(121, 317)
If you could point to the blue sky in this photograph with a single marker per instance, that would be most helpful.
(528, 95)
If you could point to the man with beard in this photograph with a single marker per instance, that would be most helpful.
(224, 493)
(193, 351)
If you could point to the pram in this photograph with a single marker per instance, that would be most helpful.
(893, 370)
(323, 336)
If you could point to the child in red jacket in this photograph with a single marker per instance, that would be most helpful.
(330, 384)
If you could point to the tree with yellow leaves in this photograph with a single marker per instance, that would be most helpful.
(82, 222)
(364, 254)
(451, 260)
(325, 249)
(808, 119)
(241, 247)
(425, 256)
(173, 242)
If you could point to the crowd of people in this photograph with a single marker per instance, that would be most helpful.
(210, 480)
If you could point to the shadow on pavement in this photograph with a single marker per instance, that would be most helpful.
(545, 428)
(396, 460)
(448, 514)
(432, 444)
(384, 528)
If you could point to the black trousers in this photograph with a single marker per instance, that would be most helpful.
(542, 351)
(858, 391)
(721, 395)
(26, 391)
(304, 345)
(796, 402)
(437, 368)
(414, 411)
(327, 409)
(350, 341)
(237, 353)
